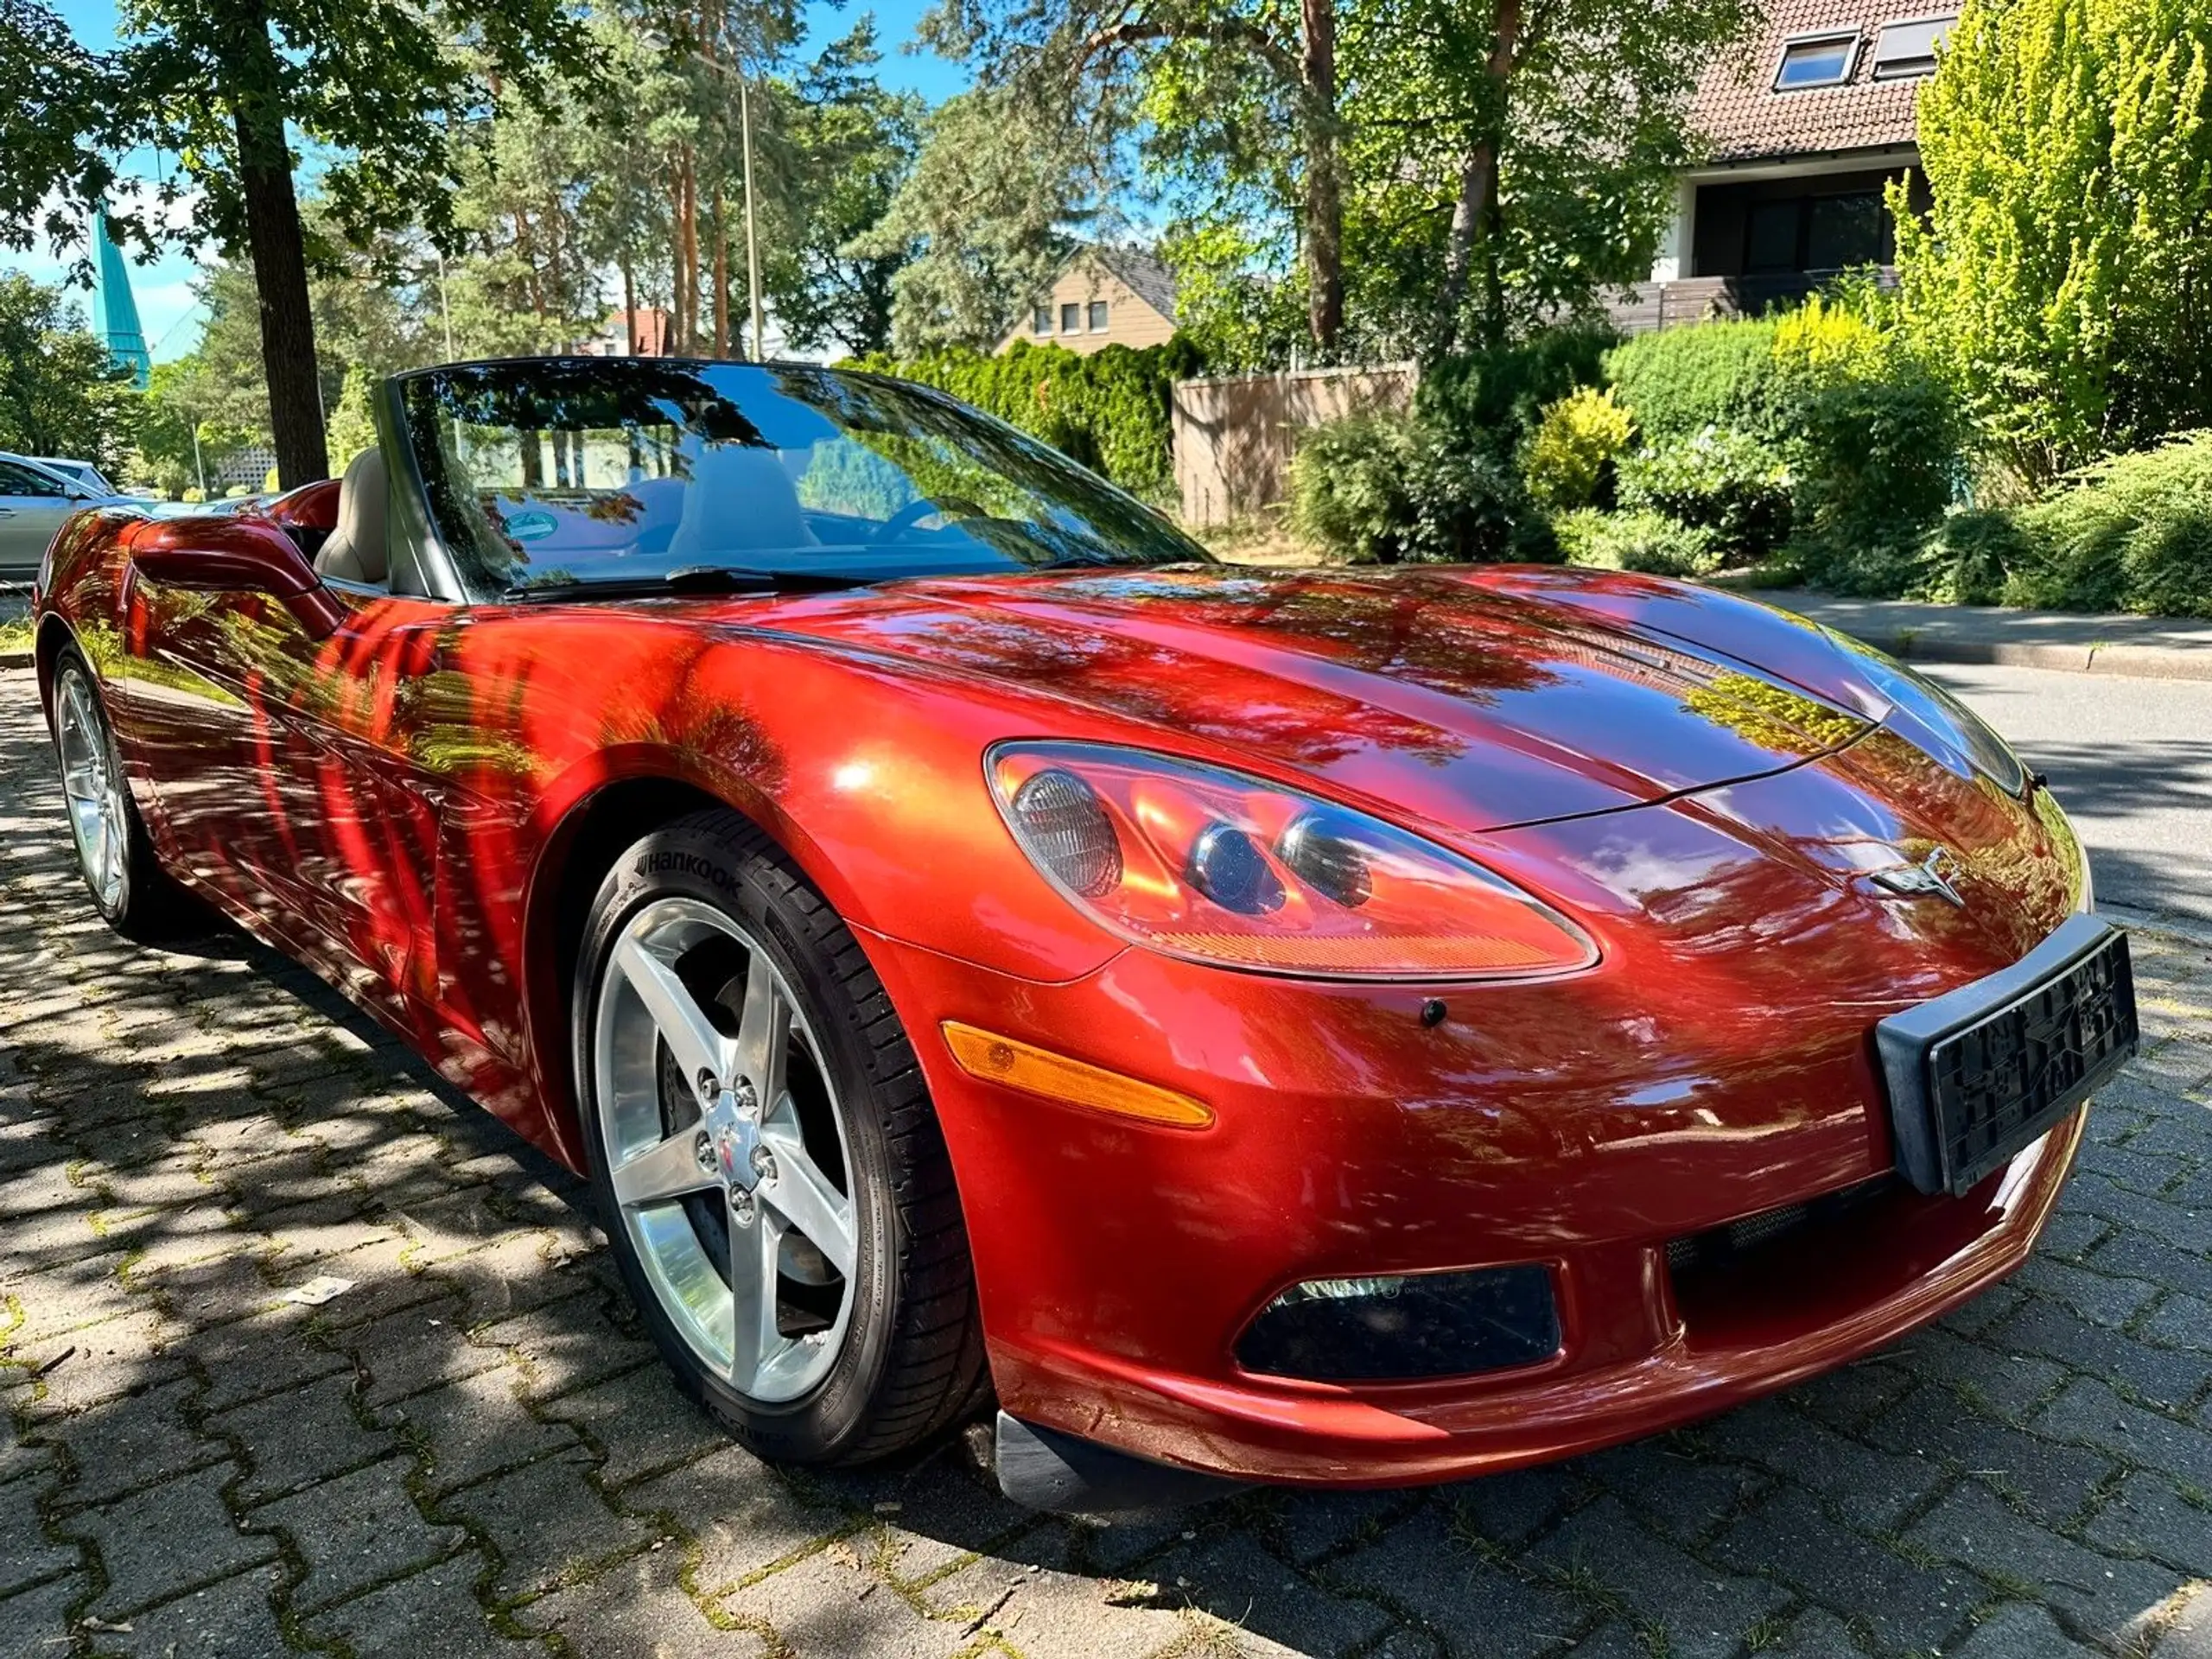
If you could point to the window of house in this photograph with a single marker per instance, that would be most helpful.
(1816, 60)
(1041, 323)
(1098, 316)
(1771, 235)
(1843, 231)
(1908, 48)
(1070, 318)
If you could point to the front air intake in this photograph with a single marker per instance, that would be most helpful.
(1405, 1327)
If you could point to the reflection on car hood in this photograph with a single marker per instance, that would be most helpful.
(1473, 699)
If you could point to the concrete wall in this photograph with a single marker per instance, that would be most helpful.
(1234, 436)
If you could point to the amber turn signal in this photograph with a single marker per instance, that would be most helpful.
(1039, 1072)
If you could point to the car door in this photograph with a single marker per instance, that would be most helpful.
(32, 504)
(281, 769)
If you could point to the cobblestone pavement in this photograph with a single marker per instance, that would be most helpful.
(472, 1452)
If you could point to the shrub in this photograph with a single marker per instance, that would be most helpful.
(1873, 445)
(1964, 559)
(2134, 533)
(1568, 461)
(1493, 400)
(1723, 482)
(1638, 540)
(1677, 382)
(1391, 487)
(1109, 411)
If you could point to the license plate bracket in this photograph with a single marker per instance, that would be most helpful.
(1975, 1075)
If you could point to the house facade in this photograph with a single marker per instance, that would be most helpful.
(1807, 125)
(1103, 297)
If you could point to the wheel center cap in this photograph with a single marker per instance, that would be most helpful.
(732, 1122)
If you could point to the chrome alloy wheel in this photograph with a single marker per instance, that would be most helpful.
(726, 1148)
(94, 788)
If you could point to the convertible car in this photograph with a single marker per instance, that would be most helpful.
(1351, 1028)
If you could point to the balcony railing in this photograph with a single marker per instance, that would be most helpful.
(1648, 306)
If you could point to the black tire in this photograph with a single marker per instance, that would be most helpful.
(147, 905)
(912, 1360)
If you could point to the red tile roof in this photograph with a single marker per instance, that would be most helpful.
(1744, 118)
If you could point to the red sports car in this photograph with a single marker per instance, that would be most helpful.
(1347, 1028)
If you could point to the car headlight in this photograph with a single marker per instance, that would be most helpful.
(1927, 709)
(1215, 867)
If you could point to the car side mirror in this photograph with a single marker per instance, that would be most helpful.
(234, 556)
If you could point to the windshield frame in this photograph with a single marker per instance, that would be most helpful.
(416, 400)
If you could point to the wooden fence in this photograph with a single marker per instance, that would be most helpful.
(1234, 435)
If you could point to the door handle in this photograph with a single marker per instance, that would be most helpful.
(7, 512)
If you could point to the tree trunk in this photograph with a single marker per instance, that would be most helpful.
(1324, 212)
(280, 262)
(721, 275)
(629, 303)
(688, 236)
(1476, 212)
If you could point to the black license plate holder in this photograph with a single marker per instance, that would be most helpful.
(1975, 1075)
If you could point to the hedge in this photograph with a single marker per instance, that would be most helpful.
(2134, 533)
(1111, 410)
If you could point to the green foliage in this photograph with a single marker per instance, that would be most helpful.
(981, 224)
(59, 394)
(1735, 488)
(2130, 534)
(353, 425)
(1392, 488)
(180, 401)
(1964, 559)
(1873, 445)
(2058, 284)
(1567, 461)
(847, 144)
(1677, 382)
(1493, 399)
(1109, 410)
(1821, 426)
(1636, 540)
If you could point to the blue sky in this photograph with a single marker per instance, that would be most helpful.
(167, 309)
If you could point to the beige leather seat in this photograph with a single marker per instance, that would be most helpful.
(356, 549)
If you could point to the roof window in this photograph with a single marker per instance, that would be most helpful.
(1908, 48)
(1816, 60)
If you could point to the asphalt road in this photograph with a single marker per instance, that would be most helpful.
(2131, 759)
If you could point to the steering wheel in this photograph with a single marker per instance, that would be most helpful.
(905, 519)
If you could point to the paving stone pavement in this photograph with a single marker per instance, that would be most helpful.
(471, 1452)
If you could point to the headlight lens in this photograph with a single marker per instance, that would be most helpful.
(1209, 865)
(1927, 709)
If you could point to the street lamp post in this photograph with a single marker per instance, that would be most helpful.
(752, 244)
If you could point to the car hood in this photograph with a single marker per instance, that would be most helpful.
(1475, 700)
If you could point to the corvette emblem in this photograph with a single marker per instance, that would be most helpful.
(1929, 878)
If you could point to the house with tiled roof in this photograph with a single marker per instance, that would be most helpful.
(1805, 124)
(1103, 295)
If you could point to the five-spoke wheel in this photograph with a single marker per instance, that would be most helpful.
(770, 1169)
(726, 1148)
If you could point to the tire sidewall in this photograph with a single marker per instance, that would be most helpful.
(70, 663)
(689, 860)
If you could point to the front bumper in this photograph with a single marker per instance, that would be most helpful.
(1718, 1064)
(1118, 1263)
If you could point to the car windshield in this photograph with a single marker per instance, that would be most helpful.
(542, 475)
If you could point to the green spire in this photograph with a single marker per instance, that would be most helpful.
(115, 312)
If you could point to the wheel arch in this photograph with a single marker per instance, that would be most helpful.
(53, 637)
(588, 835)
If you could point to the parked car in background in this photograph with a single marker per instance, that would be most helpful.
(78, 472)
(34, 500)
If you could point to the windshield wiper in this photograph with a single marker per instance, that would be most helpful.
(691, 579)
